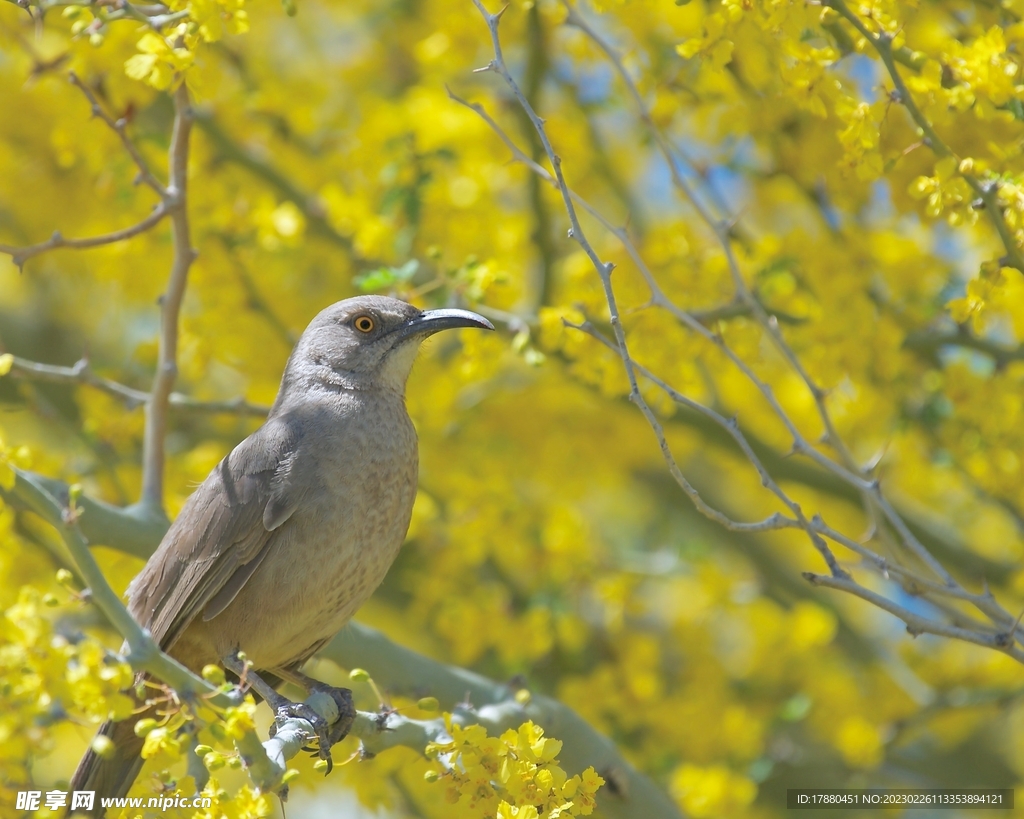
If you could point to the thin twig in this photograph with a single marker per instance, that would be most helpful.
(744, 296)
(167, 205)
(983, 602)
(81, 373)
(604, 271)
(170, 305)
(916, 624)
(721, 230)
(849, 473)
(119, 127)
(800, 444)
(20, 255)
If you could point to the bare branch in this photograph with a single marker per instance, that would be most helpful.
(81, 373)
(170, 305)
(851, 474)
(604, 271)
(20, 255)
(167, 204)
(801, 445)
(912, 582)
(731, 426)
(119, 127)
(721, 230)
(916, 624)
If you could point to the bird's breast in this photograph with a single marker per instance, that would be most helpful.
(335, 550)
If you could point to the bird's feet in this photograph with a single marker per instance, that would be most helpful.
(346, 710)
(327, 735)
(285, 710)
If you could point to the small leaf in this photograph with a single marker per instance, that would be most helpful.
(385, 277)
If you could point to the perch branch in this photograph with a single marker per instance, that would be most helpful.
(398, 669)
(143, 653)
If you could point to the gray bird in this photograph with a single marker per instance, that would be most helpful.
(296, 527)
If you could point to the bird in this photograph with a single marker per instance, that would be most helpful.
(295, 528)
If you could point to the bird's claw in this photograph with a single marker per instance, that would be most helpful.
(346, 711)
(327, 735)
(299, 710)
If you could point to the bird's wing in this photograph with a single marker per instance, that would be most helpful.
(221, 535)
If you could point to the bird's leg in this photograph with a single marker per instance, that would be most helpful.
(342, 698)
(284, 708)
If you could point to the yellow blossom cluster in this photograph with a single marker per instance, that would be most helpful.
(514, 776)
(46, 678)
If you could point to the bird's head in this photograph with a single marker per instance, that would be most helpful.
(370, 341)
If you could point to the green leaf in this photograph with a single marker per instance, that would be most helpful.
(385, 277)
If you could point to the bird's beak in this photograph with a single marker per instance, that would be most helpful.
(433, 321)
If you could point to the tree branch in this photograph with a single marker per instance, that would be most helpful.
(81, 373)
(118, 127)
(20, 255)
(851, 474)
(397, 668)
(916, 624)
(604, 271)
(170, 306)
(721, 231)
(143, 653)
(827, 476)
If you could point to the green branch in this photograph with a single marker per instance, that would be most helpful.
(398, 669)
(143, 653)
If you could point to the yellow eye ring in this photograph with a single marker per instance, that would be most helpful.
(364, 324)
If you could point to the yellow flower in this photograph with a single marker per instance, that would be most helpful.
(159, 64)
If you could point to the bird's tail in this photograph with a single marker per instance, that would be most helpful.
(110, 776)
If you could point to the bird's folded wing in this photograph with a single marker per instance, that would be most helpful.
(220, 536)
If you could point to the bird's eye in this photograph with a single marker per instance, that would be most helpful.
(365, 324)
